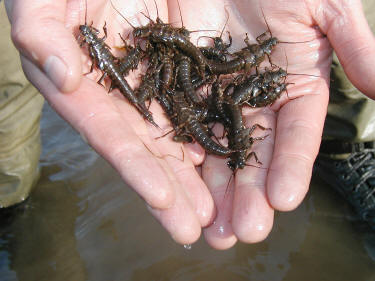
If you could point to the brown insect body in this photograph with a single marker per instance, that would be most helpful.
(105, 61)
(255, 86)
(176, 68)
(187, 117)
(216, 103)
(173, 38)
(240, 139)
(219, 51)
(248, 57)
(267, 98)
(147, 89)
(131, 60)
(184, 79)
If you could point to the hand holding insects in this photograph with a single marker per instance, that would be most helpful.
(178, 197)
(160, 171)
(246, 212)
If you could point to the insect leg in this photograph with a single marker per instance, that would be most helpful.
(101, 79)
(253, 154)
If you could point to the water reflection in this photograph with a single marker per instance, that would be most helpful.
(41, 241)
(83, 223)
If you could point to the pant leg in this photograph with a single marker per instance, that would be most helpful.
(351, 115)
(20, 111)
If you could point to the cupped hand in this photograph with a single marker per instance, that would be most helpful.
(161, 171)
(245, 208)
(164, 172)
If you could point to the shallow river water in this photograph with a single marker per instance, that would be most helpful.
(83, 223)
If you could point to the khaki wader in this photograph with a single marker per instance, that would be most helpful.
(351, 115)
(20, 111)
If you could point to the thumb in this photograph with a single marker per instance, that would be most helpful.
(39, 32)
(354, 43)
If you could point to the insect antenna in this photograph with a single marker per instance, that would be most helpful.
(182, 21)
(286, 70)
(221, 33)
(302, 74)
(232, 176)
(85, 12)
(147, 17)
(121, 14)
(158, 20)
(265, 20)
(278, 41)
(166, 155)
(203, 30)
(297, 42)
(226, 21)
(167, 133)
(179, 8)
(148, 12)
(296, 74)
(287, 93)
(203, 36)
(79, 37)
(251, 165)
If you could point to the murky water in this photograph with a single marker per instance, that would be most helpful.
(83, 223)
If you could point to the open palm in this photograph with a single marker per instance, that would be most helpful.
(185, 199)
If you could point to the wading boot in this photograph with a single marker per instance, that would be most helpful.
(350, 169)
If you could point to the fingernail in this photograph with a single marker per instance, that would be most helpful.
(56, 70)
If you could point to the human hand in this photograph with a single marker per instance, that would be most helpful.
(297, 119)
(176, 193)
(157, 170)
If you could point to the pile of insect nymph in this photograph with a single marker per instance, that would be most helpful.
(177, 70)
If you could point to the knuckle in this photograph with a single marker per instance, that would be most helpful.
(24, 32)
(19, 34)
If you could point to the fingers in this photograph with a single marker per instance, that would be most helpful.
(243, 211)
(179, 220)
(196, 153)
(194, 189)
(354, 43)
(298, 135)
(179, 162)
(94, 116)
(40, 34)
(104, 127)
(186, 14)
(217, 176)
(252, 217)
